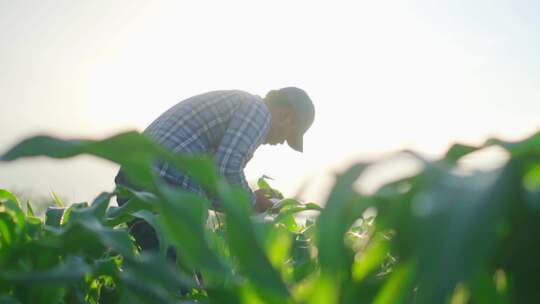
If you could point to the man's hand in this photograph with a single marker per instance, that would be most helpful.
(263, 201)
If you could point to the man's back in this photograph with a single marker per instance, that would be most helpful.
(228, 125)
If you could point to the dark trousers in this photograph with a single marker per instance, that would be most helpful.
(144, 234)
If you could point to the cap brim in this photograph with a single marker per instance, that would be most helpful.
(297, 142)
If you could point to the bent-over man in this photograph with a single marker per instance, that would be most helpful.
(230, 125)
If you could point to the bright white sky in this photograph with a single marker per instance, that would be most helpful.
(384, 76)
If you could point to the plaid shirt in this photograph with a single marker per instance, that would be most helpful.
(230, 125)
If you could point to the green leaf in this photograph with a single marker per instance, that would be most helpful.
(29, 210)
(245, 247)
(7, 299)
(139, 200)
(33, 226)
(6, 195)
(89, 237)
(531, 179)
(14, 210)
(370, 260)
(74, 212)
(285, 203)
(289, 222)
(465, 212)
(323, 289)
(344, 206)
(135, 152)
(278, 245)
(57, 199)
(80, 211)
(7, 231)
(153, 220)
(154, 279)
(457, 151)
(183, 218)
(313, 206)
(118, 240)
(100, 204)
(263, 184)
(528, 146)
(73, 268)
(290, 211)
(398, 289)
(85, 235)
(483, 289)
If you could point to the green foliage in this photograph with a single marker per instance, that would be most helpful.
(438, 236)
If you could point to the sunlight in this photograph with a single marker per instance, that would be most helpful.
(381, 80)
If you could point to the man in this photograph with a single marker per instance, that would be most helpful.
(230, 126)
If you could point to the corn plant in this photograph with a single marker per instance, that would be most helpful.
(437, 236)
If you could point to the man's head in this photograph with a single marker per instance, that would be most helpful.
(292, 114)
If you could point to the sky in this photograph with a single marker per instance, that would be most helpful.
(384, 76)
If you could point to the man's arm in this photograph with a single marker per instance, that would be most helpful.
(247, 129)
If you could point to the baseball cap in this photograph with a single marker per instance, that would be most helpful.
(304, 110)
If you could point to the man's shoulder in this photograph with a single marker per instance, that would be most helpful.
(230, 99)
(232, 94)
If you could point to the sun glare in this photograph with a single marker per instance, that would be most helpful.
(383, 77)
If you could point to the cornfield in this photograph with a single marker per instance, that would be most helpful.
(437, 236)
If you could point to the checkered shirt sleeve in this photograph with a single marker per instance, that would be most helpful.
(246, 131)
